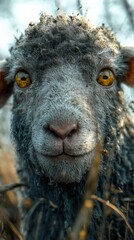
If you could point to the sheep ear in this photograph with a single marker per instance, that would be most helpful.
(5, 87)
(128, 59)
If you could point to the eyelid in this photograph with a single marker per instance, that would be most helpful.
(107, 67)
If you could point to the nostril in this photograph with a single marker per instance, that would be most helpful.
(73, 130)
(64, 130)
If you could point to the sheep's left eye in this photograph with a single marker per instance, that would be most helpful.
(106, 77)
(23, 79)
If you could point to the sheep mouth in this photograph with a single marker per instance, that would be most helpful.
(66, 156)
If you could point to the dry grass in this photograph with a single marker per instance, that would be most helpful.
(80, 228)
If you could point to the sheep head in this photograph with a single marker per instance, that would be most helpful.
(65, 75)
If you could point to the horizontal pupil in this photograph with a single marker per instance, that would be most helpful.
(105, 77)
(23, 78)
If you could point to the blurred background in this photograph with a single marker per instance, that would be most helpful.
(15, 16)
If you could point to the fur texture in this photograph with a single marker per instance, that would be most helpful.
(64, 56)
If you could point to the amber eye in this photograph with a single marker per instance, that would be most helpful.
(106, 77)
(23, 79)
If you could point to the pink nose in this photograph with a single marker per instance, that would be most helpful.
(64, 130)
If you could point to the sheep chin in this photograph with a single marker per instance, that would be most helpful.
(65, 169)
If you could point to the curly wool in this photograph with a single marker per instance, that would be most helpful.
(63, 36)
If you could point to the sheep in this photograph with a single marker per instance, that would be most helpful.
(65, 76)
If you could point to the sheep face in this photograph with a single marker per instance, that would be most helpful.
(65, 114)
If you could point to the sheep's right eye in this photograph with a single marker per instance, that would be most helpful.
(106, 78)
(23, 79)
